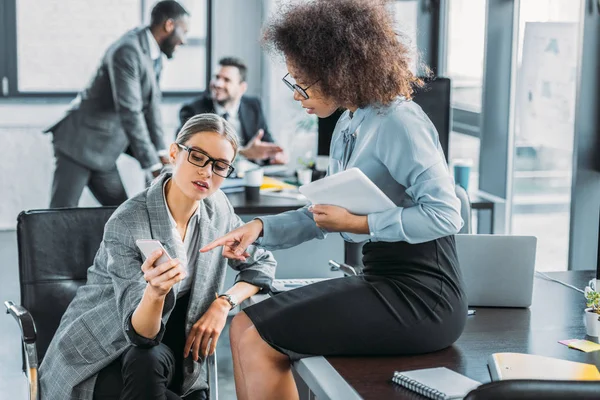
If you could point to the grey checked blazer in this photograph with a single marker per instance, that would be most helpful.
(93, 330)
(119, 108)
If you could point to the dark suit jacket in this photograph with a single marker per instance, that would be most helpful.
(250, 114)
(119, 108)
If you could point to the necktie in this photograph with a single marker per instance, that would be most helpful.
(349, 142)
(225, 116)
(158, 68)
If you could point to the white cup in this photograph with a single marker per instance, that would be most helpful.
(254, 177)
(304, 176)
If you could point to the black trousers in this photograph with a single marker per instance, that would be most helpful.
(150, 373)
(70, 178)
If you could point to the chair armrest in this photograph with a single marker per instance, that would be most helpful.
(213, 387)
(536, 389)
(24, 319)
(28, 336)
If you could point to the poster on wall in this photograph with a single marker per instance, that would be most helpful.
(545, 112)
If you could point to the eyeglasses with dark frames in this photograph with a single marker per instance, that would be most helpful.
(296, 87)
(201, 159)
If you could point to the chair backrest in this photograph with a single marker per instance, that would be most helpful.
(56, 247)
(536, 389)
(465, 208)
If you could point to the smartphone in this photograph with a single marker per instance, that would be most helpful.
(149, 246)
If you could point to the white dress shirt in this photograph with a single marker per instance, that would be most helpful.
(233, 116)
(188, 248)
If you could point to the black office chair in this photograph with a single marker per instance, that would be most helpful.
(536, 389)
(56, 247)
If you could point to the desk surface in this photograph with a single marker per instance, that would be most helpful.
(275, 205)
(264, 205)
(556, 314)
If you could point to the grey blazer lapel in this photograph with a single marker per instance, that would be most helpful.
(160, 225)
(145, 46)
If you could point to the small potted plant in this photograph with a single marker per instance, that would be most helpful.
(592, 312)
(306, 167)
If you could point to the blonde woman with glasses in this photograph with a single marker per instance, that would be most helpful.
(140, 329)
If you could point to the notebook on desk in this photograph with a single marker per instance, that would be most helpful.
(528, 366)
(438, 383)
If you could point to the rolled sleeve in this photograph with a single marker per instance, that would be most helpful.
(259, 267)
(141, 341)
(289, 229)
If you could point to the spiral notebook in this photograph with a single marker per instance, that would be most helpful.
(436, 383)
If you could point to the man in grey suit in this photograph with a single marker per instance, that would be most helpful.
(118, 111)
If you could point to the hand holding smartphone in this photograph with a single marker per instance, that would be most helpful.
(149, 246)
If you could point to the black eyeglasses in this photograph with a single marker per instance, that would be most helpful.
(296, 87)
(200, 159)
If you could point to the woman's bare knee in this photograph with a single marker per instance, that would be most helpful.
(239, 325)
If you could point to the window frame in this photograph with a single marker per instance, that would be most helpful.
(9, 74)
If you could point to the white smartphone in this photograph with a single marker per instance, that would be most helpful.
(149, 246)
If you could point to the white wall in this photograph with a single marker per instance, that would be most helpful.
(28, 158)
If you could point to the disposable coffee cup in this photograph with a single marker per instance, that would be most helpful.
(304, 176)
(253, 179)
(462, 173)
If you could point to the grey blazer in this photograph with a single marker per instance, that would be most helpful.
(95, 329)
(119, 108)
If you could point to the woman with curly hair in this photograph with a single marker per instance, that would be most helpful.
(410, 300)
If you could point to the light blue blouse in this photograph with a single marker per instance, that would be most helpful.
(398, 148)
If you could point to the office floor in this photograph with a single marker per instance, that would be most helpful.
(12, 381)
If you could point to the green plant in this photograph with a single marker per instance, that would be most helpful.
(592, 300)
(307, 123)
(306, 162)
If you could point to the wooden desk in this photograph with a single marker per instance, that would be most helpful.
(556, 314)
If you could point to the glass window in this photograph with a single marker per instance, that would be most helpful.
(60, 42)
(465, 148)
(465, 49)
(405, 18)
(547, 47)
(186, 71)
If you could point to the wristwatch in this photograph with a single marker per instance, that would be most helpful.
(230, 299)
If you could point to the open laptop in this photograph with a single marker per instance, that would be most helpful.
(497, 269)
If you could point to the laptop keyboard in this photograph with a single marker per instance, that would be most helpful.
(281, 285)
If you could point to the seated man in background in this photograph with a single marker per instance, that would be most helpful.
(226, 98)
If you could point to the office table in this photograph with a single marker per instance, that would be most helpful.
(556, 314)
(482, 201)
(268, 205)
(265, 205)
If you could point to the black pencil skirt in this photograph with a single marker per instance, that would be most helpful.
(410, 300)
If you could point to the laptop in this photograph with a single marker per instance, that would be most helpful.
(497, 269)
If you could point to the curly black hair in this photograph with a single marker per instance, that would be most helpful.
(349, 46)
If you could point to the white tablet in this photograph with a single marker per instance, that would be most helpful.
(350, 189)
